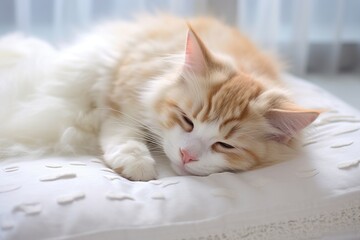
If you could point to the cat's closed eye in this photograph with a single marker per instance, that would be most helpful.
(224, 145)
(188, 122)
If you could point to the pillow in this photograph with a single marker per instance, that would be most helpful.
(316, 195)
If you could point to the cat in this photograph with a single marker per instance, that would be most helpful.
(199, 90)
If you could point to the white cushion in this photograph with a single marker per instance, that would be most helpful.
(317, 195)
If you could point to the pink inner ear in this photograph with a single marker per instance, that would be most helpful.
(290, 122)
(194, 58)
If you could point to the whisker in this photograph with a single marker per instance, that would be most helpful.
(142, 124)
(143, 133)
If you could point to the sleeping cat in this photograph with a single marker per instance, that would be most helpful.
(200, 90)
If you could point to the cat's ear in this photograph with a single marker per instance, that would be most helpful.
(196, 54)
(290, 121)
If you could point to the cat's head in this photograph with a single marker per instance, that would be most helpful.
(215, 118)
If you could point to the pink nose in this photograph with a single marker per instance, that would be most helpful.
(187, 156)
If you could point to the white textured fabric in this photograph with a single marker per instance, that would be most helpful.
(315, 196)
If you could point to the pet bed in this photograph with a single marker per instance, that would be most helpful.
(315, 196)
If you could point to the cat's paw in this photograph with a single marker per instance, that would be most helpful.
(132, 160)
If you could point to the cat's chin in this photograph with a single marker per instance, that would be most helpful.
(180, 170)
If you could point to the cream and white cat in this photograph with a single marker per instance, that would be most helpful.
(199, 90)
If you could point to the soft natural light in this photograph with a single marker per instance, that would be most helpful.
(315, 36)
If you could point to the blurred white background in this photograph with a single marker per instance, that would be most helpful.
(319, 39)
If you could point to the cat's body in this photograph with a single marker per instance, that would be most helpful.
(218, 107)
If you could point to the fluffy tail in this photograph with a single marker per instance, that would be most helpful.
(32, 120)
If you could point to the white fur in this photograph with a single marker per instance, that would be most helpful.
(133, 159)
(45, 102)
(55, 102)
